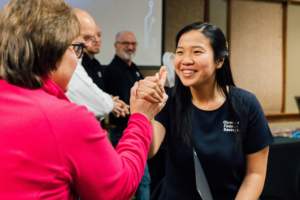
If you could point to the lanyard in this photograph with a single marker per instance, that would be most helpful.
(201, 182)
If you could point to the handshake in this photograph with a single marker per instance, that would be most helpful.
(148, 96)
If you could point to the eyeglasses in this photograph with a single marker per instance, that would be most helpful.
(128, 43)
(88, 39)
(78, 48)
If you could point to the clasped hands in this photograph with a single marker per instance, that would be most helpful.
(120, 107)
(148, 96)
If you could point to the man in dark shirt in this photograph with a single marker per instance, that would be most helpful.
(94, 69)
(119, 76)
(91, 65)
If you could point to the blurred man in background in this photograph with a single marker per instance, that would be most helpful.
(83, 90)
(119, 76)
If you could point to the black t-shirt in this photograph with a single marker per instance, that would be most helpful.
(94, 70)
(213, 140)
(119, 78)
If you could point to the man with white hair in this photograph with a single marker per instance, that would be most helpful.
(119, 76)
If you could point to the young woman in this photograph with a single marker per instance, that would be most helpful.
(224, 124)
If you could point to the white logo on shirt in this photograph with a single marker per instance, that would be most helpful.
(138, 74)
(230, 126)
(99, 74)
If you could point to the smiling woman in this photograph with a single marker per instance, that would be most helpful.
(197, 57)
(207, 116)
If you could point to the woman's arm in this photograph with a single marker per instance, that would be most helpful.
(94, 168)
(152, 90)
(253, 183)
(159, 133)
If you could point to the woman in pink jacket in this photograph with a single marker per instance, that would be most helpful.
(51, 148)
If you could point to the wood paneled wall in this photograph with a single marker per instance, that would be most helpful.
(256, 50)
(178, 14)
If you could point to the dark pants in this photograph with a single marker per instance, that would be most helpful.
(143, 190)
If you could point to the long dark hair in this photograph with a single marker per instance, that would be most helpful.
(182, 96)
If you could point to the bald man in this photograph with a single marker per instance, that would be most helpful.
(119, 76)
(82, 89)
(91, 65)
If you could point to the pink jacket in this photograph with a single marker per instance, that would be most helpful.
(53, 149)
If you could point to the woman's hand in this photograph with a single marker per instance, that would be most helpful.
(148, 97)
(152, 87)
(144, 107)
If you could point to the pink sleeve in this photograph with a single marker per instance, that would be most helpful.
(95, 169)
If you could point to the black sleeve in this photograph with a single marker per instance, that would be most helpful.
(258, 135)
